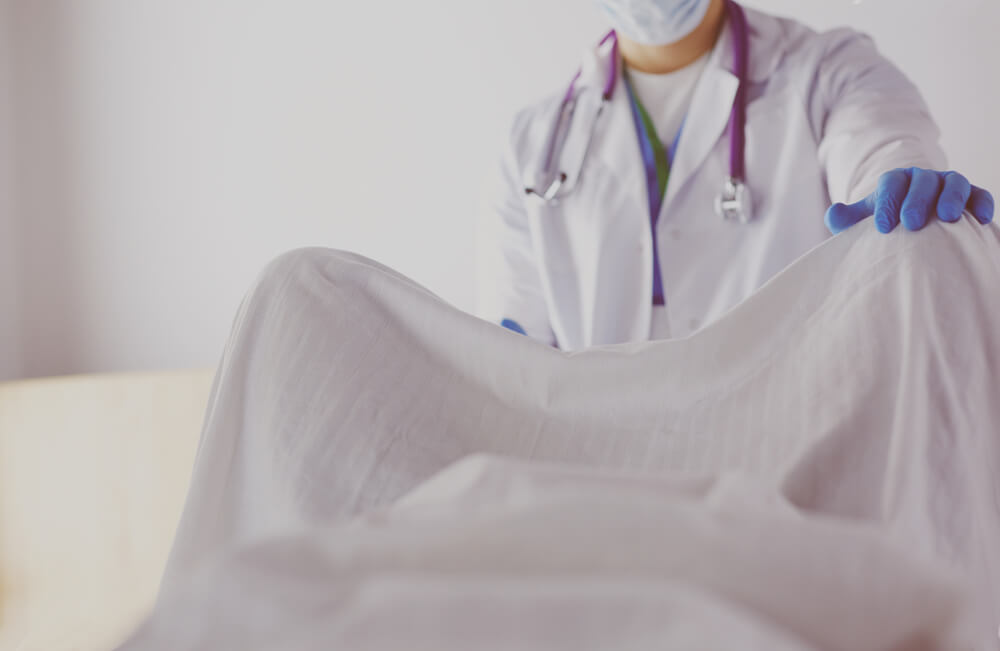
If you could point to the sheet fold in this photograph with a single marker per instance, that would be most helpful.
(856, 390)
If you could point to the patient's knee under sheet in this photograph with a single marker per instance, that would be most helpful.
(861, 383)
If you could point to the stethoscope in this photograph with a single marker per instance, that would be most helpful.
(734, 201)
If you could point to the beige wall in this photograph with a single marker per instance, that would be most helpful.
(93, 475)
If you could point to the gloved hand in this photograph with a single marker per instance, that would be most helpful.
(914, 196)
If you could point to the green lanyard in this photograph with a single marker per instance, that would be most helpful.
(656, 159)
(653, 150)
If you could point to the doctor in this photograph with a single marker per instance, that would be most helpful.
(689, 162)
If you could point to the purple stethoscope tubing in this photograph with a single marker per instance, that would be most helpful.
(737, 118)
(568, 103)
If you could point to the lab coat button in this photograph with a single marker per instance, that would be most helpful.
(675, 233)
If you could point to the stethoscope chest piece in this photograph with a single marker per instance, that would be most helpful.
(734, 203)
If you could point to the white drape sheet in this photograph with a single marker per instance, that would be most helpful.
(793, 476)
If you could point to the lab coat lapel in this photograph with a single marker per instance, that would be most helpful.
(619, 144)
(624, 210)
(630, 212)
(615, 142)
(712, 103)
(707, 118)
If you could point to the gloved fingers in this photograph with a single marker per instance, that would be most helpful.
(841, 216)
(892, 190)
(954, 197)
(921, 200)
(513, 326)
(981, 205)
(914, 196)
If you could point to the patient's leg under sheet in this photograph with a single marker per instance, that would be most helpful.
(861, 382)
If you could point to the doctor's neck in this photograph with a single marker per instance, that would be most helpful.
(661, 59)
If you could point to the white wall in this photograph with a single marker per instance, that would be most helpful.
(173, 147)
(10, 339)
(169, 148)
(949, 49)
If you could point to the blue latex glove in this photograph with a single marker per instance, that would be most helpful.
(914, 196)
(513, 326)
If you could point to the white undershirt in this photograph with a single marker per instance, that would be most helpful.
(666, 98)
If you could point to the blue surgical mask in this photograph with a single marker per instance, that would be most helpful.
(655, 22)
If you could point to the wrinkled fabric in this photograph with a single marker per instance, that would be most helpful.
(853, 398)
(497, 554)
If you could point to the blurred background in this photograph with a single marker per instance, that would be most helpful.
(155, 154)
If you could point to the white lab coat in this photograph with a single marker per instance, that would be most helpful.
(827, 115)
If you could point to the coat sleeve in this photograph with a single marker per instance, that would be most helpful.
(871, 118)
(509, 283)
